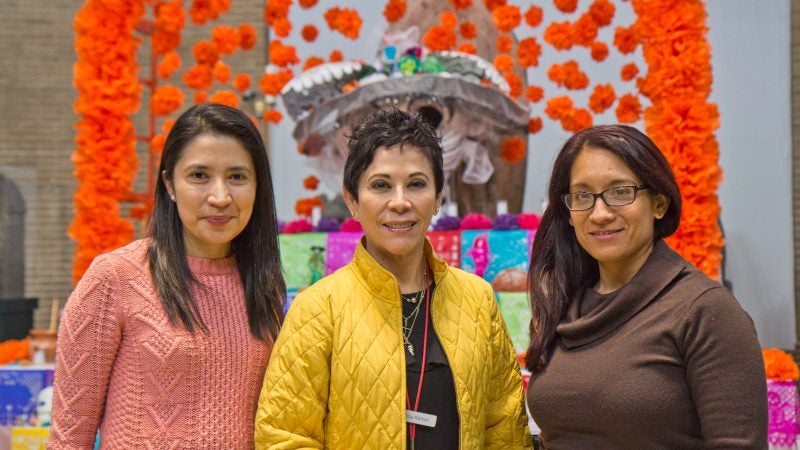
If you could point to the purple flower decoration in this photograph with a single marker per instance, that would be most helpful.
(505, 222)
(447, 223)
(327, 224)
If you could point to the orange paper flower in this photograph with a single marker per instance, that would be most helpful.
(528, 52)
(629, 109)
(461, 4)
(603, 96)
(534, 93)
(558, 107)
(282, 27)
(309, 33)
(273, 115)
(312, 61)
(225, 38)
(198, 76)
(467, 47)
(222, 72)
(491, 5)
(513, 150)
(344, 20)
(168, 64)
(282, 55)
(307, 3)
(241, 82)
(559, 35)
(165, 100)
(272, 83)
(533, 16)
(311, 182)
(448, 20)
(602, 11)
(568, 75)
(468, 30)
(503, 62)
(599, 51)
(506, 18)
(439, 38)
(576, 120)
(566, 6)
(626, 39)
(514, 83)
(584, 31)
(335, 56)
(534, 125)
(225, 97)
(504, 43)
(205, 52)
(629, 71)
(247, 36)
(304, 206)
(779, 365)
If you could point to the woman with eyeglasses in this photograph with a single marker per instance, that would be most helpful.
(632, 346)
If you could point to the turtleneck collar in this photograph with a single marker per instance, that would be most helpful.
(200, 266)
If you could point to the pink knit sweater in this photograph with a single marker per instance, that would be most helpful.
(123, 369)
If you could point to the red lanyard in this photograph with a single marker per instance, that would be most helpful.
(412, 428)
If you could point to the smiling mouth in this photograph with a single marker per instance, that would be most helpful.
(604, 233)
(218, 220)
(399, 226)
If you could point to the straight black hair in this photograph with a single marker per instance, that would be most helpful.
(255, 249)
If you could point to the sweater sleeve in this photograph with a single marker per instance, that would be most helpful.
(506, 423)
(294, 397)
(725, 372)
(88, 339)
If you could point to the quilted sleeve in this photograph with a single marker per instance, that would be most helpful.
(506, 424)
(88, 339)
(294, 397)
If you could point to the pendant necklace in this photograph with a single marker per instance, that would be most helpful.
(411, 319)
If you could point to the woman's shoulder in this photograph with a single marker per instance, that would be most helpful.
(131, 258)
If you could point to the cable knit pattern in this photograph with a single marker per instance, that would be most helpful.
(145, 384)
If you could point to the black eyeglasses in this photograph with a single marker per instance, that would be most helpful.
(615, 196)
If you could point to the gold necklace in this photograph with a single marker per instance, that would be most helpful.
(412, 317)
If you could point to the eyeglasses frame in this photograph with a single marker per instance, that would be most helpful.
(636, 189)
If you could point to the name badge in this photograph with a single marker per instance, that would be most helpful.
(420, 418)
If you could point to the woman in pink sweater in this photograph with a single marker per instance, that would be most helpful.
(164, 342)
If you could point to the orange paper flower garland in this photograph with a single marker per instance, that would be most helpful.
(779, 365)
(105, 153)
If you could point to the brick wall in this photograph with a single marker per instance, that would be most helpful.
(36, 125)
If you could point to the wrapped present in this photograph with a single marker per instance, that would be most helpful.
(29, 438)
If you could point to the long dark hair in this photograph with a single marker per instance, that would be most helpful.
(255, 248)
(560, 268)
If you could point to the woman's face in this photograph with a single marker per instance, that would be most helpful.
(214, 187)
(396, 200)
(620, 238)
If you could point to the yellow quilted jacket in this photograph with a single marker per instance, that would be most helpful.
(336, 378)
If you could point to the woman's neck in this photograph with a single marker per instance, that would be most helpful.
(408, 270)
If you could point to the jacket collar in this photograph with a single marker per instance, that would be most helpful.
(662, 267)
(380, 281)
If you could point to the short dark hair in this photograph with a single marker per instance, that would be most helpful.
(256, 248)
(560, 268)
(390, 128)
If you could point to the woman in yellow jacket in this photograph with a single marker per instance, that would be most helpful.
(395, 350)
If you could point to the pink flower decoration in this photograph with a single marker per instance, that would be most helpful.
(351, 224)
(298, 226)
(476, 221)
(528, 221)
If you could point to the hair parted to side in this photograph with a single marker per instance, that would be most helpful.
(255, 248)
(560, 268)
(391, 128)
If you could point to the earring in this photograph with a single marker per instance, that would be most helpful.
(172, 197)
(436, 212)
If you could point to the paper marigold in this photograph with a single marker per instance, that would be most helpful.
(534, 125)
(504, 43)
(305, 4)
(282, 55)
(448, 20)
(275, 10)
(629, 71)
(513, 150)
(273, 115)
(534, 93)
(226, 97)
(247, 36)
(468, 30)
(566, 6)
(304, 206)
(559, 106)
(602, 11)
(312, 61)
(491, 5)
(272, 83)
(626, 39)
(533, 16)
(779, 365)
(584, 30)
(309, 33)
(467, 47)
(528, 52)
(461, 4)
(168, 64)
(439, 38)
(514, 83)
(503, 62)
(222, 72)
(559, 35)
(336, 56)
(576, 120)
(165, 100)
(205, 52)
(603, 96)
(198, 76)
(629, 109)
(344, 20)
(311, 182)
(242, 82)
(506, 18)
(282, 27)
(200, 97)
(568, 75)
(226, 39)
(599, 51)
